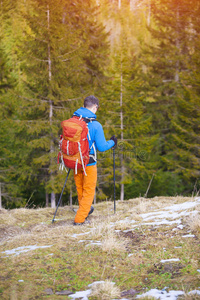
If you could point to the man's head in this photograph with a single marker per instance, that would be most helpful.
(91, 103)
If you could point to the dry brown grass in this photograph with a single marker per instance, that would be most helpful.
(194, 222)
(136, 259)
(105, 291)
(112, 243)
(40, 234)
(142, 205)
(62, 263)
(99, 230)
(122, 225)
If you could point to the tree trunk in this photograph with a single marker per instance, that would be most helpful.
(47, 200)
(122, 139)
(50, 104)
(132, 5)
(0, 197)
(53, 200)
(149, 13)
(176, 78)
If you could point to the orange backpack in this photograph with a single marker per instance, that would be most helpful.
(74, 145)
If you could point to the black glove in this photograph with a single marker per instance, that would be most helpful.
(115, 140)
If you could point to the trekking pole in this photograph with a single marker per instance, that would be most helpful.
(114, 178)
(61, 195)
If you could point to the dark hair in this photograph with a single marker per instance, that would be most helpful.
(91, 101)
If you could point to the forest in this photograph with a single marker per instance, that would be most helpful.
(141, 58)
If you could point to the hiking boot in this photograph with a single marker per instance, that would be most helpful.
(91, 210)
(78, 224)
(83, 223)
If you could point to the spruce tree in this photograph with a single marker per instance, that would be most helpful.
(125, 115)
(11, 147)
(165, 62)
(61, 61)
(184, 155)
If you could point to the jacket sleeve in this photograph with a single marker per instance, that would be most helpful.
(100, 141)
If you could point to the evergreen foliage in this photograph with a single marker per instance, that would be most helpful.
(61, 60)
(141, 58)
(173, 101)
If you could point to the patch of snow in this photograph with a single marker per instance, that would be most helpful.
(164, 215)
(83, 295)
(98, 243)
(132, 221)
(168, 260)
(195, 292)
(21, 280)
(163, 222)
(178, 247)
(79, 234)
(143, 250)
(188, 235)
(24, 249)
(130, 254)
(163, 295)
(125, 221)
(91, 242)
(127, 230)
(168, 216)
(181, 206)
(198, 270)
(180, 226)
(97, 282)
(173, 213)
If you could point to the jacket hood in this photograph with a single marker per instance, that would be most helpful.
(85, 113)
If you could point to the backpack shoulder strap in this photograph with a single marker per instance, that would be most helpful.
(86, 119)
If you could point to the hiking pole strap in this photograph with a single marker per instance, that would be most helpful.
(61, 195)
(114, 178)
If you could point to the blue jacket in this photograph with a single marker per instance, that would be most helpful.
(97, 139)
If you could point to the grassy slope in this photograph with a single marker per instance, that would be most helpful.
(72, 262)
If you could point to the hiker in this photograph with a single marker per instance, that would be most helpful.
(86, 180)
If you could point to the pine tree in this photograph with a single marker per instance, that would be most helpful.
(11, 151)
(124, 116)
(184, 156)
(165, 62)
(62, 60)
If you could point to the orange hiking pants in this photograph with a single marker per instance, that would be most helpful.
(85, 186)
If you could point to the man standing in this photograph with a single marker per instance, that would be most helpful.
(86, 184)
